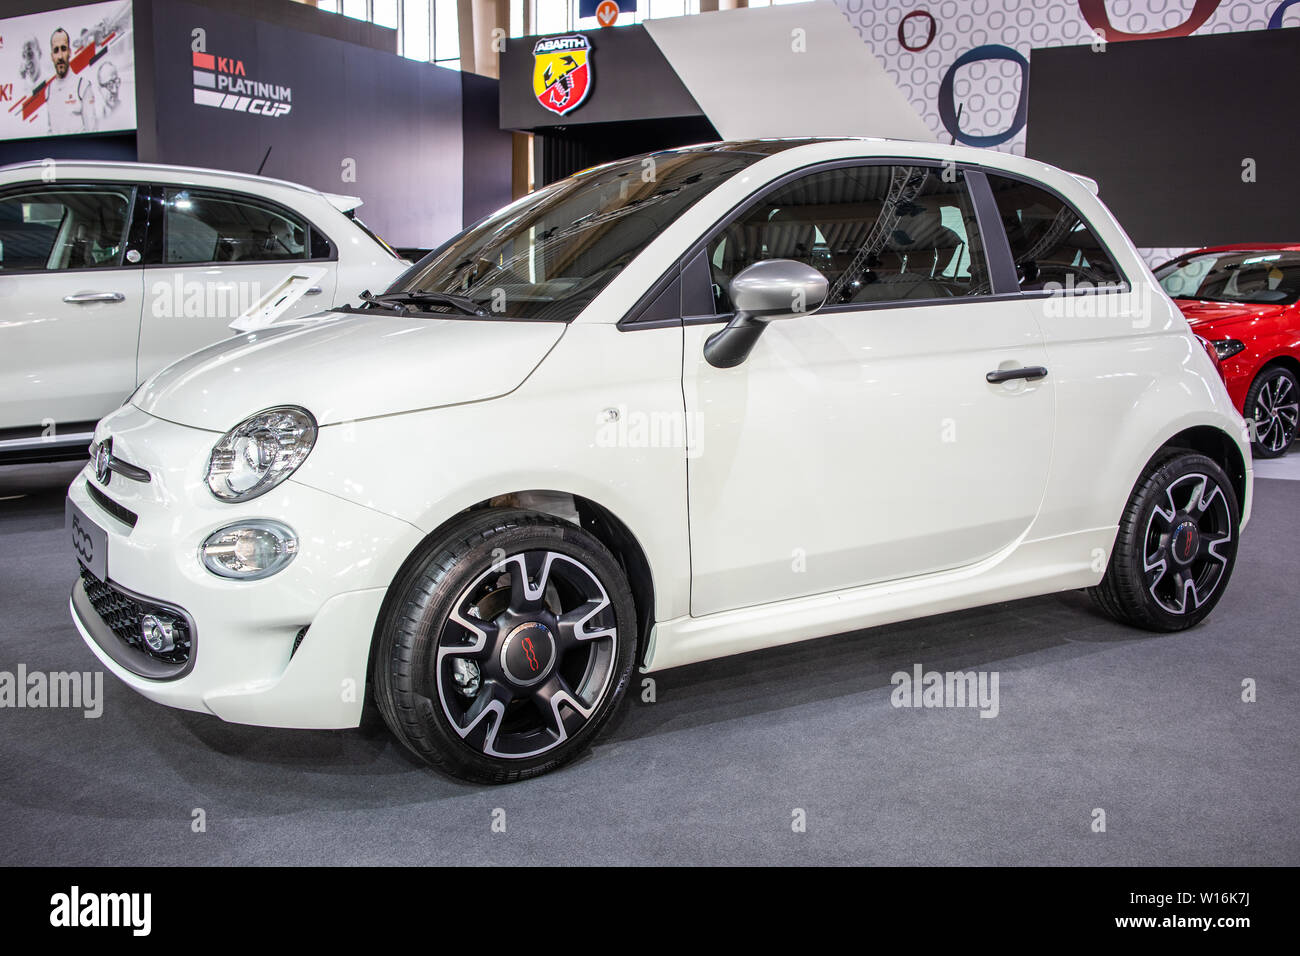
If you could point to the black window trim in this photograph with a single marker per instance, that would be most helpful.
(997, 248)
(134, 188)
(156, 243)
(631, 323)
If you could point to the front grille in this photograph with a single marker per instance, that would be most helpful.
(124, 515)
(123, 613)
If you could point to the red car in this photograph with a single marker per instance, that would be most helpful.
(1245, 300)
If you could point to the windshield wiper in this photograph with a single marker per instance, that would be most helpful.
(398, 301)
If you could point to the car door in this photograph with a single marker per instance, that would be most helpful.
(214, 253)
(70, 301)
(1111, 344)
(864, 443)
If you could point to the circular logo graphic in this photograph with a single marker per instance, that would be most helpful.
(1187, 541)
(947, 106)
(527, 654)
(931, 27)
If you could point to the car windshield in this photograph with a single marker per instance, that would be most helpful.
(548, 255)
(1264, 277)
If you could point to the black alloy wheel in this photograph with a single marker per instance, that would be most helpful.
(1273, 410)
(505, 646)
(526, 654)
(1176, 546)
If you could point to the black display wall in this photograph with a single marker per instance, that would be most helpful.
(1167, 127)
(337, 109)
(359, 121)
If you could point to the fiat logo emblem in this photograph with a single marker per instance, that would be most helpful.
(103, 460)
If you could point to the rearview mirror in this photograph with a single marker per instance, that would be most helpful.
(764, 292)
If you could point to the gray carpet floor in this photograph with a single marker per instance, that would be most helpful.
(1150, 729)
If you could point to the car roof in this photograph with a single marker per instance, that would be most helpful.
(867, 146)
(180, 173)
(1250, 247)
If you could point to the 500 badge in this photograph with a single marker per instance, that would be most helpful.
(89, 541)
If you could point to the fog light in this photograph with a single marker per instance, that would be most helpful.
(249, 550)
(158, 633)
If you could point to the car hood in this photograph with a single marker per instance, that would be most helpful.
(347, 367)
(1209, 317)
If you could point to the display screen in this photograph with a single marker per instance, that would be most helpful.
(67, 72)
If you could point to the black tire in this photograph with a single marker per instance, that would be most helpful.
(456, 694)
(1176, 534)
(1272, 407)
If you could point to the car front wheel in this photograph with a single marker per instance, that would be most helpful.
(1176, 546)
(1273, 409)
(505, 647)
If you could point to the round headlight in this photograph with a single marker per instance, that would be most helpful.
(259, 453)
(249, 550)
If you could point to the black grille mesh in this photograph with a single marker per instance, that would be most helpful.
(122, 613)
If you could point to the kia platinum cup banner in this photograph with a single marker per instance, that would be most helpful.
(67, 71)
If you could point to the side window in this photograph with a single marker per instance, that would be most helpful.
(1051, 244)
(64, 228)
(879, 233)
(205, 226)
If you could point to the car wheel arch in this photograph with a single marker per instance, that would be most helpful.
(591, 515)
(1281, 359)
(1212, 442)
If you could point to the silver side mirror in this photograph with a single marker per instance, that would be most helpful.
(764, 292)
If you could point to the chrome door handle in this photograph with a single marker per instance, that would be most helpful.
(81, 298)
(1030, 372)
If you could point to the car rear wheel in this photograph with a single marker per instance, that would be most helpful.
(505, 647)
(1176, 546)
(1273, 409)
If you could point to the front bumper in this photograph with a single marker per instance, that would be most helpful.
(251, 661)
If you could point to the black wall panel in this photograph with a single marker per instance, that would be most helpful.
(1165, 125)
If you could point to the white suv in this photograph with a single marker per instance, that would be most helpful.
(110, 271)
(670, 409)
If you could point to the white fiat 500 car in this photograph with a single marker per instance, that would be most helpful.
(110, 271)
(673, 408)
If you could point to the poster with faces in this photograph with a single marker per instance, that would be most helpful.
(67, 72)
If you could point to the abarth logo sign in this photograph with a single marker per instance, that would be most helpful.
(562, 72)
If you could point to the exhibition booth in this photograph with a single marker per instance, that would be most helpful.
(668, 432)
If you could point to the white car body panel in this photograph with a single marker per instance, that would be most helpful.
(417, 425)
(429, 362)
(341, 555)
(61, 362)
(842, 402)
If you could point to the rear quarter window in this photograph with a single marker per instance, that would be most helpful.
(1053, 246)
